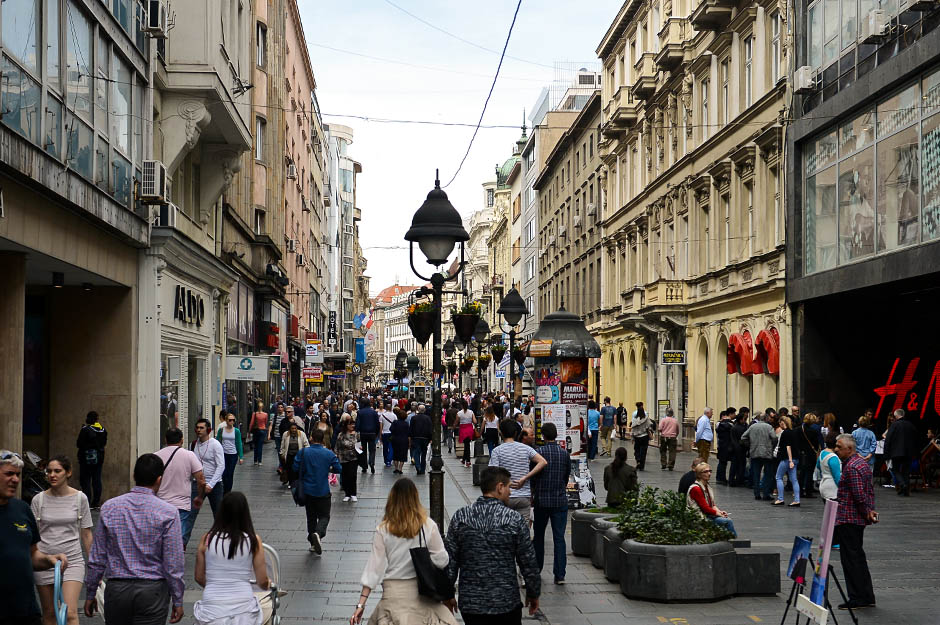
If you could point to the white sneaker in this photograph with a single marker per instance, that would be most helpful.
(345, 498)
(354, 498)
(316, 547)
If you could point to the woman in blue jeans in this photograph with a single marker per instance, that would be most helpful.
(701, 498)
(232, 449)
(787, 456)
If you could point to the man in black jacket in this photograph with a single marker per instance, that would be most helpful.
(901, 446)
(91, 443)
(369, 428)
(420, 434)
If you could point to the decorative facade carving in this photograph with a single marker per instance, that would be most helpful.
(197, 117)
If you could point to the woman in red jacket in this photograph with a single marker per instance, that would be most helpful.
(701, 498)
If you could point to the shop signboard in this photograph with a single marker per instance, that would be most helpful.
(661, 407)
(313, 374)
(331, 330)
(673, 357)
(313, 352)
(247, 368)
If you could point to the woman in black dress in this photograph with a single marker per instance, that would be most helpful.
(400, 441)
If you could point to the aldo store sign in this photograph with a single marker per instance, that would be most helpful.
(189, 306)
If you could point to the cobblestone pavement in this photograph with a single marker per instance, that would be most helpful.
(903, 553)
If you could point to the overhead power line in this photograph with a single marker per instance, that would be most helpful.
(488, 95)
(461, 39)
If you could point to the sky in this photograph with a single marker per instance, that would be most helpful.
(435, 77)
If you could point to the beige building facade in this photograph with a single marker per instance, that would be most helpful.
(693, 206)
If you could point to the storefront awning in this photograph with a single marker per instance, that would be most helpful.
(768, 352)
(336, 355)
(740, 359)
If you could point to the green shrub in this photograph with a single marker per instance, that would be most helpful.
(662, 517)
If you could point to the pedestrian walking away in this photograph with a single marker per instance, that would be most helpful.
(229, 561)
(258, 426)
(668, 437)
(420, 431)
(594, 427)
(19, 548)
(345, 449)
(63, 517)
(608, 423)
(641, 429)
(180, 467)
(485, 540)
(232, 449)
(550, 502)
(313, 466)
(902, 445)
(738, 451)
(399, 437)
(405, 526)
(136, 542)
(622, 419)
(725, 453)
(620, 479)
(210, 454)
(92, 439)
(760, 440)
(704, 434)
(369, 428)
(830, 468)
(274, 426)
(856, 511)
(517, 458)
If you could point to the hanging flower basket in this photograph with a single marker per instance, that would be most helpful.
(452, 367)
(421, 317)
(464, 325)
(483, 363)
(467, 364)
(498, 352)
(518, 355)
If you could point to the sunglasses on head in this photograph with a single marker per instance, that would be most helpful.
(9, 455)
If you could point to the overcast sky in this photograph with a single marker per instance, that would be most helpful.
(398, 160)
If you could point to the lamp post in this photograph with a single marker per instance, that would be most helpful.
(480, 336)
(437, 227)
(400, 358)
(460, 345)
(513, 309)
(449, 352)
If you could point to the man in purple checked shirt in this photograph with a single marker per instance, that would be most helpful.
(139, 542)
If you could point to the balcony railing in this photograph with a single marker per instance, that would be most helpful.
(672, 40)
(666, 293)
(646, 72)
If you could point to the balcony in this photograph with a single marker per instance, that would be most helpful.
(632, 299)
(645, 83)
(624, 109)
(672, 41)
(666, 293)
(711, 14)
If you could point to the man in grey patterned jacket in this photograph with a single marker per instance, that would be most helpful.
(485, 540)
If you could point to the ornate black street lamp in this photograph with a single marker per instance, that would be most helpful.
(400, 358)
(512, 308)
(413, 363)
(437, 227)
(481, 338)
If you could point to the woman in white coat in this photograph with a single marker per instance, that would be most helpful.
(406, 525)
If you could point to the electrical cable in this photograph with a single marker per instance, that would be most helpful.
(489, 95)
(461, 39)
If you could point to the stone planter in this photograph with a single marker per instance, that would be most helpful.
(582, 535)
(677, 572)
(612, 540)
(600, 527)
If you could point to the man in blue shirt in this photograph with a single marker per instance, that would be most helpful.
(314, 464)
(704, 434)
(594, 426)
(608, 413)
(550, 501)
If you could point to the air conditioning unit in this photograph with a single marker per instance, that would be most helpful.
(591, 210)
(300, 260)
(804, 79)
(166, 216)
(153, 187)
(291, 245)
(156, 24)
(291, 171)
(577, 221)
(873, 26)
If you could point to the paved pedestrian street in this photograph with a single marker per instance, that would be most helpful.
(903, 552)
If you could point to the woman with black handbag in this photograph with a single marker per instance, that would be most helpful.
(408, 558)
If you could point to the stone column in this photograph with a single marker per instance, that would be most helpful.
(13, 313)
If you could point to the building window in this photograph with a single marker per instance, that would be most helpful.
(262, 44)
(489, 197)
(775, 47)
(260, 125)
(748, 70)
(869, 184)
(725, 90)
(529, 232)
(705, 126)
(260, 227)
(530, 268)
(751, 234)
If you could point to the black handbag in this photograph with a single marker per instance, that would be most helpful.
(297, 488)
(433, 583)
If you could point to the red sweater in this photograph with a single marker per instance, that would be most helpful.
(704, 502)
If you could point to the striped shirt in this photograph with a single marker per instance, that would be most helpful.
(515, 457)
(138, 536)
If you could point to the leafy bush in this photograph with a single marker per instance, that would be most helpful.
(662, 517)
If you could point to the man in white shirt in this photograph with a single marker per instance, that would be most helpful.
(386, 419)
(209, 451)
(517, 458)
(704, 434)
(180, 467)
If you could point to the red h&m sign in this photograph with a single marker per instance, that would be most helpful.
(903, 391)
